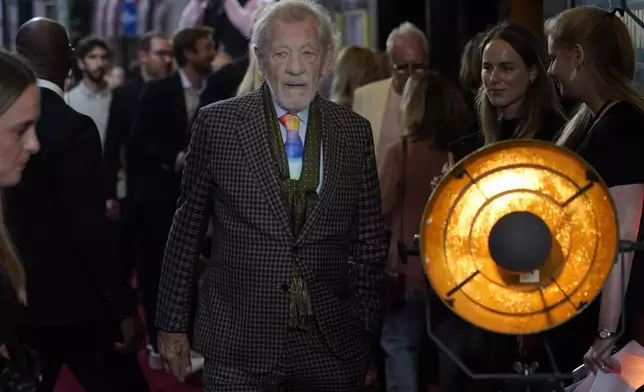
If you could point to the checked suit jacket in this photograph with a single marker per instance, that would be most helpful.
(231, 179)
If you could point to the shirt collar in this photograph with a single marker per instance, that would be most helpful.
(144, 75)
(303, 114)
(185, 82)
(51, 86)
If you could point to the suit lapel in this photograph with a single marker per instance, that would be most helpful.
(333, 151)
(253, 138)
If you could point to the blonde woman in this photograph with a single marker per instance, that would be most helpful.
(252, 79)
(593, 62)
(354, 67)
(19, 109)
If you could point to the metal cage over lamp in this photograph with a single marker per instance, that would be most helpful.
(518, 238)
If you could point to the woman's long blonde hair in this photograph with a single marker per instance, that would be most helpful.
(252, 78)
(353, 65)
(609, 53)
(541, 96)
(15, 78)
(9, 262)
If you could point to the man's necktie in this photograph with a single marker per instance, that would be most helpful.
(300, 305)
(293, 147)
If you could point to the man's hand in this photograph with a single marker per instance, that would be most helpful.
(133, 334)
(174, 349)
(113, 210)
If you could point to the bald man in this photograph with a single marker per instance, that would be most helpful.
(80, 312)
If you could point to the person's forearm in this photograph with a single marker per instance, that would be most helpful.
(628, 202)
(611, 299)
(240, 17)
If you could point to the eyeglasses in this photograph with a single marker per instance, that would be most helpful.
(409, 68)
(162, 53)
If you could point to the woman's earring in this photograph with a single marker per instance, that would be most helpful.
(573, 74)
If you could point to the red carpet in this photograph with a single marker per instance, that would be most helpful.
(158, 381)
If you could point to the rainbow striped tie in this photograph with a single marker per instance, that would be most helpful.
(293, 147)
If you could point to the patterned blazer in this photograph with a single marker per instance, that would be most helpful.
(231, 179)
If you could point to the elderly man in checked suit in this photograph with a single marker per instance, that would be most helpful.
(289, 182)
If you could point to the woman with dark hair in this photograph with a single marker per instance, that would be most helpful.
(593, 61)
(517, 99)
(470, 72)
(19, 110)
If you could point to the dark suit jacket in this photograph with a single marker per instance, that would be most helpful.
(56, 217)
(223, 83)
(123, 110)
(159, 134)
(244, 306)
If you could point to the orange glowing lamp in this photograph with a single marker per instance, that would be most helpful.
(519, 237)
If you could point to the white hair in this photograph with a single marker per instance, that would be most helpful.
(406, 30)
(294, 11)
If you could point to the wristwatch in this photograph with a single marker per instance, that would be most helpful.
(606, 334)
